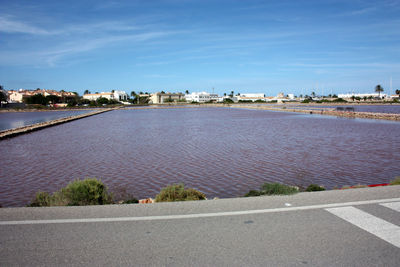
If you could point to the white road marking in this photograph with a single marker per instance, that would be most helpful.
(393, 205)
(199, 215)
(374, 225)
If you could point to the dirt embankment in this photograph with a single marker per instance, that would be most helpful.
(330, 112)
(38, 126)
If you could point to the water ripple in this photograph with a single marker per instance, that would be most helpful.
(222, 152)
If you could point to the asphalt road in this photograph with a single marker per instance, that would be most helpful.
(357, 227)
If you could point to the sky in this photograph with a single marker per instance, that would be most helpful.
(246, 46)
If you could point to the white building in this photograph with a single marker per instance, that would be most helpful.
(258, 95)
(161, 98)
(120, 96)
(116, 95)
(374, 95)
(18, 96)
(249, 97)
(201, 97)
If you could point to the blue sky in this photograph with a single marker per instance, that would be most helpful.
(329, 46)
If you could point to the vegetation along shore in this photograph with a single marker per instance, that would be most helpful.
(91, 191)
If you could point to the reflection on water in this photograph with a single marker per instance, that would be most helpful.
(220, 151)
(10, 120)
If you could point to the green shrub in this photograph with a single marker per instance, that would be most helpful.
(396, 181)
(228, 101)
(177, 192)
(278, 189)
(42, 199)
(315, 187)
(77, 193)
(273, 189)
(86, 192)
(339, 100)
(253, 193)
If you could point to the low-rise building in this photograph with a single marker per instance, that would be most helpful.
(201, 97)
(18, 96)
(161, 98)
(115, 95)
(373, 95)
(94, 97)
(257, 95)
(120, 96)
(250, 97)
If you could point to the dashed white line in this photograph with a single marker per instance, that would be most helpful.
(374, 225)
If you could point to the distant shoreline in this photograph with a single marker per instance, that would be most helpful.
(182, 105)
(330, 112)
(282, 107)
(45, 109)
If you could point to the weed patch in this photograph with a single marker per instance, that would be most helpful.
(77, 193)
(314, 187)
(396, 181)
(177, 192)
(273, 189)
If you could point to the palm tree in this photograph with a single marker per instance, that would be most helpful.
(86, 92)
(398, 92)
(379, 89)
(3, 95)
(187, 92)
(133, 93)
(232, 92)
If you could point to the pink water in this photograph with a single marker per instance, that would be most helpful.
(220, 151)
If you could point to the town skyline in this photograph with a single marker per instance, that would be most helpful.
(252, 47)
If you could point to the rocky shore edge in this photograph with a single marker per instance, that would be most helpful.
(330, 112)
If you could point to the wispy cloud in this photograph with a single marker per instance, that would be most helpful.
(159, 76)
(361, 11)
(9, 25)
(345, 65)
(70, 39)
(53, 56)
(56, 55)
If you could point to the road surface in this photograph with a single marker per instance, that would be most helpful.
(355, 227)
